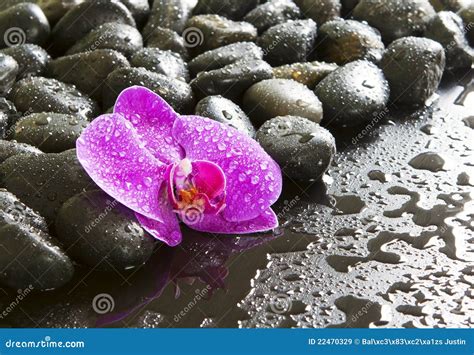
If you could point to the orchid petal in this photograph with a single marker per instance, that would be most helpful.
(110, 151)
(168, 231)
(218, 224)
(153, 120)
(254, 180)
(208, 178)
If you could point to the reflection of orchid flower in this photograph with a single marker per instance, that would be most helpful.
(160, 164)
(199, 257)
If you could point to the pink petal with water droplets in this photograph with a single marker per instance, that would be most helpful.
(168, 231)
(208, 178)
(218, 224)
(110, 151)
(153, 120)
(253, 179)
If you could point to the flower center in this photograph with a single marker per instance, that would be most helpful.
(197, 186)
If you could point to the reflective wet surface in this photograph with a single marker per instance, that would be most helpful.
(386, 240)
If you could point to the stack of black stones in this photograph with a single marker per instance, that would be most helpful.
(285, 72)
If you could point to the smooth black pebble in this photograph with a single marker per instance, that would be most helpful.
(288, 42)
(116, 242)
(50, 132)
(31, 58)
(353, 94)
(232, 80)
(272, 13)
(281, 97)
(303, 149)
(38, 94)
(225, 111)
(8, 71)
(413, 66)
(162, 62)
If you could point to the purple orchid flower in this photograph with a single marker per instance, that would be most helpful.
(167, 167)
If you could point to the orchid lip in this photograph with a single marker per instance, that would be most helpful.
(186, 189)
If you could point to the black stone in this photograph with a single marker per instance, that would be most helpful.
(448, 29)
(88, 70)
(205, 32)
(8, 71)
(281, 97)
(167, 40)
(288, 42)
(171, 14)
(320, 11)
(85, 17)
(45, 181)
(31, 58)
(162, 62)
(303, 149)
(176, 92)
(50, 132)
(272, 13)
(11, 148)
(222, 56)
(353, 93)
(105, 235)
(232, 9)
(309, 73)
(232, 80)
(23, 23)
(413, 66)
(117, 36)
(343, 41)
(225, 111)
(38, 94)
(394, 18)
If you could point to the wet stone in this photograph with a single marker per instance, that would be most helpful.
(309, 73)
(50, 132)
(117, 242)
(170, 14)
(394, 18)
(467, 15)
(413, 67)
(428, 161)
(320, 11)
(352, 94)
(232, 80)
(225, 111)
(3, 125)
(303, 149)
(288, 42)
(232, 9)
(167, 40)
(176, 92)
(38, 94)
(447, 28)
(32, 259)
(23, 23)
(225, 55)
(123, 38)
(162, 62)
(10, 148)
(8, 72)
(30, 251)
(71, 28)
(32, 59)
(205, 32)
(139, 9)
(45, 181)
(343, 41)
(53, 9)
(272, 13)
(88, 70)
(281, 97)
